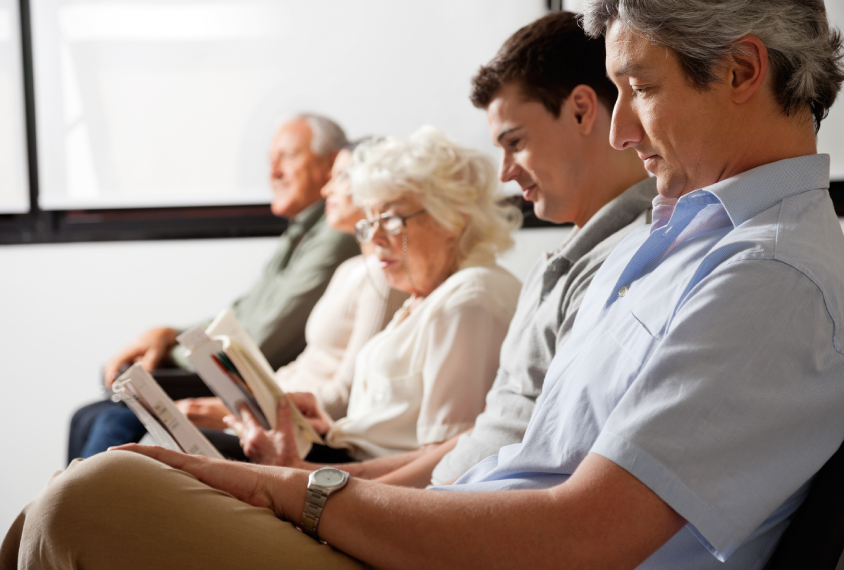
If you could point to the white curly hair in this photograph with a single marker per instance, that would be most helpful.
(457, 186)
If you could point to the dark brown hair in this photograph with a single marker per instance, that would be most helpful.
(548, 59)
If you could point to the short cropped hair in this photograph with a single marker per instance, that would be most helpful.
(804, 53)
(326, 135)
(457, 186)
(548, 58)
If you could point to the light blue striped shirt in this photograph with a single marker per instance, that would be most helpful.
(707, 361)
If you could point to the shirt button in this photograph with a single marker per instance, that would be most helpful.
(623, 291)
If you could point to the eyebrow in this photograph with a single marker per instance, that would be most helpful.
(629, 68)
(507, 132)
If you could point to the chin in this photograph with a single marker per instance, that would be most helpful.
(541, 211)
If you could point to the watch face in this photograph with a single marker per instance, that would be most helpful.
(328, 477)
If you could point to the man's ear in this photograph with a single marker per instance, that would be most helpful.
(583, 106)
(748, 69)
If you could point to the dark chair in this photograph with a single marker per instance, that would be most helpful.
(815, 537)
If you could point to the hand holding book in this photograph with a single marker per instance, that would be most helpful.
(234, 369)
(268, 447)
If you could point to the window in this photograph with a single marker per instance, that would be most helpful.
(151, 104)
(14, 187)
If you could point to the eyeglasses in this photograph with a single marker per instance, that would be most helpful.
(392, 224)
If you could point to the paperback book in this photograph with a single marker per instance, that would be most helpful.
(233, 367)
(167, 425)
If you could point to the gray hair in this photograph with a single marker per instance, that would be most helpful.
(326, 135)
(804, 53)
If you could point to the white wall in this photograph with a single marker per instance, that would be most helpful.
(64, 309)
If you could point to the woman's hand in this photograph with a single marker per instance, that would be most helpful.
(274, 447)
(253, 484)
(204, 412)
(313, 412)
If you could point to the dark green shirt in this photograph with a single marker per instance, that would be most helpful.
(275, 310)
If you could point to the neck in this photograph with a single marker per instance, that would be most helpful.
(765, 138)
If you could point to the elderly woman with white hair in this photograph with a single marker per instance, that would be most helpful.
(435, 224)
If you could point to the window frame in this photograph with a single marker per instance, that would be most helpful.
(131, 224)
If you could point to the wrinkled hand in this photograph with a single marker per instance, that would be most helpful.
(204, 412)
(313, 412)
(265, 487)
(274, 447)
(150, 349)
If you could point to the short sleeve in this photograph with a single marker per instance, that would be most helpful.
(733, 413)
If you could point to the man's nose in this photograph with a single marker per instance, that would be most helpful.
(275, 169)
(508, 170)
(626, 129)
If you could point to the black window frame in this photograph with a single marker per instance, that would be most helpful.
(133, 224)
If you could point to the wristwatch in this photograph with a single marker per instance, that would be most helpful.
(321, 484)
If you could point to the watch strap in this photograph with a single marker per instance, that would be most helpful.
(314, 503)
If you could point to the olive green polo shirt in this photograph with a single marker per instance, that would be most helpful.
(275, 310)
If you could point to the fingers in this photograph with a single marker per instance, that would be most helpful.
(115, 364)
(305, 401)
(166, 456)
(150, 348)
(284, 434)
(152, 358)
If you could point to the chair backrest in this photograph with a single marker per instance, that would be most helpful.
(815, 537)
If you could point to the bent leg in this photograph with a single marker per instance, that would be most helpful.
(123, 510)
(80, 426)
(112, 427)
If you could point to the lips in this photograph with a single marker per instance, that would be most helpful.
(529, 192)
(649, 161)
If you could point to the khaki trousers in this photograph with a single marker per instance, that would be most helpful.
(124, 510)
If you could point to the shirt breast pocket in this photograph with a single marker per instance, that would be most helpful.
(633, 338)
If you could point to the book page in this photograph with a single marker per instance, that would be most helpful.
(159, 414)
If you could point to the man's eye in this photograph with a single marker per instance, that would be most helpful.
(639, 90)
(514, 144)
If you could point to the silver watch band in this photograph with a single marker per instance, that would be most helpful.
(314, 503)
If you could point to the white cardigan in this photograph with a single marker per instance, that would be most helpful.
(357, 304)
(424, 378)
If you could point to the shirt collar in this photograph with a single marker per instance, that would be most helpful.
(754, 191)
(309, 216)
(613, 216)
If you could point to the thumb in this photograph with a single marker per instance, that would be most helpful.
(284, 424)
(150, 359)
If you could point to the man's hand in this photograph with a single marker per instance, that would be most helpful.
(313, 412)
(204, 412)
(150, 349)
(274, 447)
(259, 486)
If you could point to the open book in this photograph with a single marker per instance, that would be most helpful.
(167, 425)
(234, 369)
